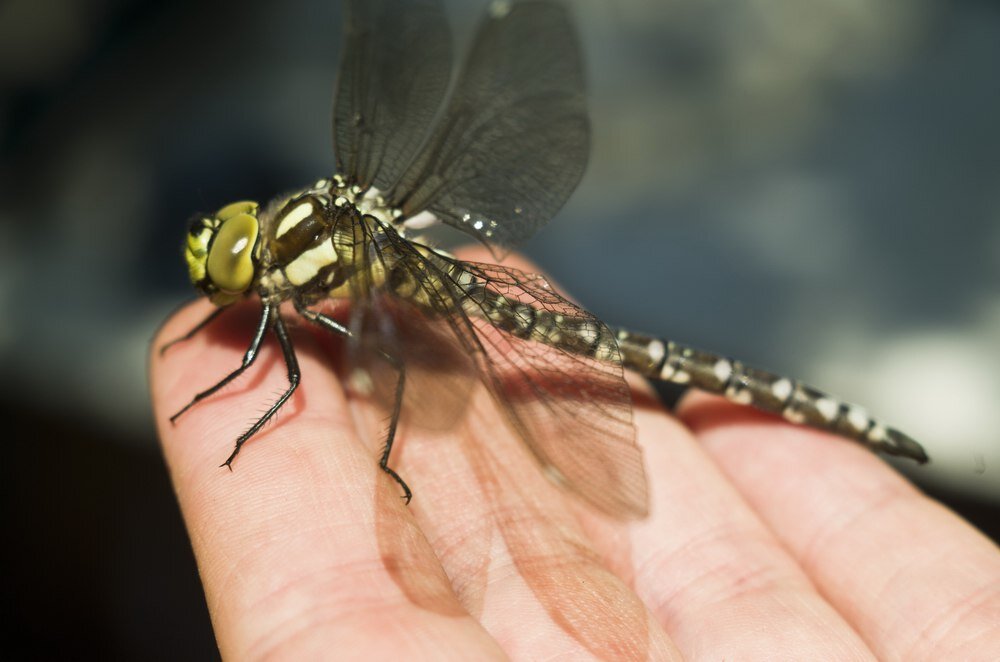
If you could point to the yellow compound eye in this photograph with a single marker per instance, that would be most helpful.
(230, 260)
(232, 209)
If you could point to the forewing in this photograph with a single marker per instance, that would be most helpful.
(394, 71)
(514, 138)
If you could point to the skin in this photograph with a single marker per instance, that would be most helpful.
(764, 541)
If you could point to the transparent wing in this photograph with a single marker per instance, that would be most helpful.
(570, 405)
(389, 330)
(514, 138)
(439, 377)
(394, 71)
(572, 409)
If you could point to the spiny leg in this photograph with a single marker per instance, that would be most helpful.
(397, 408)
(190, 334)
(796, 402)
(294, 377)
(248, 359)
(335, 327)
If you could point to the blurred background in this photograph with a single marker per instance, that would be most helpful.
(808, 185)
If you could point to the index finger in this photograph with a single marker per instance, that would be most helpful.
(286, 543)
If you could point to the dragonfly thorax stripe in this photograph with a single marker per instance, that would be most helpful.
(310, 263)
(294, 217)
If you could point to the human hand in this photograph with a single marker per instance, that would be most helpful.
(764, 540)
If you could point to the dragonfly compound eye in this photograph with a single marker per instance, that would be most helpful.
(231, 263)
(221, 251)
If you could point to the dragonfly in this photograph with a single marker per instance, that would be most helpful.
(494, 155)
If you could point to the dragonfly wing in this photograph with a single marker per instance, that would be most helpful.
(514, 138)
(565, 398)
(392, 332)
(394, 71)
(572, 408)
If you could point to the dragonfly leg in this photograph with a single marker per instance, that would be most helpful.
(337, 328)
(248, 358)
(390, 436)
(294, 377)
(194, 330)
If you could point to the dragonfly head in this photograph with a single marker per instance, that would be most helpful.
(222, 252)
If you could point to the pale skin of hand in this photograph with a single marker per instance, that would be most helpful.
(764, 540)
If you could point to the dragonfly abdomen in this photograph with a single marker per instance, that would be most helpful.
(669, 361)
(578, 335)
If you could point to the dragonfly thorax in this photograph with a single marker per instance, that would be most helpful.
(320, 241)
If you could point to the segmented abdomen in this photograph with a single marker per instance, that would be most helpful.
(673, 362)
(669, 361)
